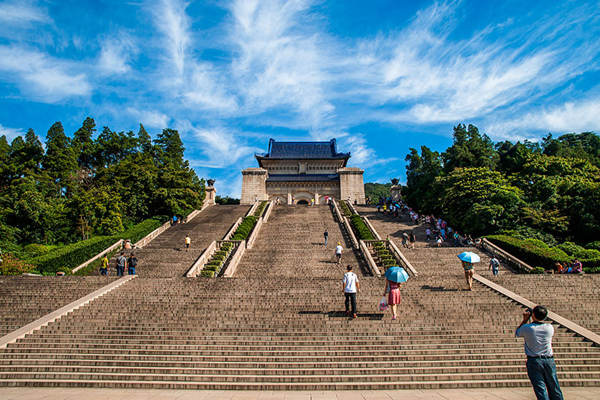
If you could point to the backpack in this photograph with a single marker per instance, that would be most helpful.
(133, 262)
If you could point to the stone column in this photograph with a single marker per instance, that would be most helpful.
(352, 187)
(289, 199)
(254, 185)
(211, 193)
(316, 198)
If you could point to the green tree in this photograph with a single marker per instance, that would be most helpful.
(60, 161)
(84, 144)
(470, 149)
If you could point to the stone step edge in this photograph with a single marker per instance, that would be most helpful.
(282, 386)
(61, 312)
(570, 325)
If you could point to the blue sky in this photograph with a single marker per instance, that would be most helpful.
(380, 76)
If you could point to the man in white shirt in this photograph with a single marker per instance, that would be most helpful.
(338, 253)
(541, 368)
(350, 287)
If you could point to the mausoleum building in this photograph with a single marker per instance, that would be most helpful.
(302, 172)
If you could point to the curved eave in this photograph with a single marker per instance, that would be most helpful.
(344, 158)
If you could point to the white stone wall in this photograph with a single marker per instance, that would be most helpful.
(351, 185)
(254, 185)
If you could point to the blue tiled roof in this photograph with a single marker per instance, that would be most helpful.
(303, 178)
(303, 150)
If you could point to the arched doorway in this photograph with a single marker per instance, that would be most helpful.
(303, 202)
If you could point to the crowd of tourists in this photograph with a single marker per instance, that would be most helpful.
(574, 267)
(437, 230)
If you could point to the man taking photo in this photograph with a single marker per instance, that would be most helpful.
(541, 368)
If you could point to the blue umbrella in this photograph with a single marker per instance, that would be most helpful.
(469, 257)
(396, 274)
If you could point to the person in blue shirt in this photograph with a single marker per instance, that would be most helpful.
(541, 368)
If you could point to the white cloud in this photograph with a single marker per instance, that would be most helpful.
(172, 20)
(10, 133)
(282, 61)
(220, 146)
(116, 53)
(361, 154)
(19, 12)
(149, 118)
(42, 77)
(576, 116)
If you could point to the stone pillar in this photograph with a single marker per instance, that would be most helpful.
(395, 191)
(211, 193)
(351, 185)
(254, 185)
(316, 198)
(289, 200)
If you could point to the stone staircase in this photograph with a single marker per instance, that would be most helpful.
(24, 299)
(166, 255)
(279, 324)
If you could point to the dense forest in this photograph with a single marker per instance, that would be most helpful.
(548, 190)
(77, 186)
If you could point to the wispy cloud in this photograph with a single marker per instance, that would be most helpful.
(173, 22)
(116, 53)
(574, 116)
(22, 11)
(42, 77)
(10, 133)
(149, 118)
(281, 60)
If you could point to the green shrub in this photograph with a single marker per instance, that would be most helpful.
(538, 270)
(137, 232)
(593, 245)
(207, 274)
(570, 248)
(344, 209)
(537, 243)
(35, 250)
(67, 257)
(259, 210)
(529, 251)
(591, 270)
(211, 267)
(72, 255)
(243, 230)
(361, 229)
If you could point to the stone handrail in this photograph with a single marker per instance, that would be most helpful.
(254, 233)
(253, 208)
(268, 210)
(350, 231)
(336, 210)
(118, 244)
(234, 259)
(231, 230)
(351, 206)
(398, 254)
(371, 228)
(152, 235)
(202, 260)
(344, 221)
(497, 251)
(572, 326)
(370, 262)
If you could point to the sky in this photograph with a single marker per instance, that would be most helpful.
(379, 76)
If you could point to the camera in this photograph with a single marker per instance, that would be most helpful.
(529, 310)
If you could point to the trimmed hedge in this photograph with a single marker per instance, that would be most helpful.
(243, 230)
(361, 229)
(259, 210)
(537, 255)
(67, 257)
(345, 209)
(217, 260)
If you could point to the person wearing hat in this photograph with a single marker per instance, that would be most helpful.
(338, 253)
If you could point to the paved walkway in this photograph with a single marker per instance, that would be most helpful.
(133, 394)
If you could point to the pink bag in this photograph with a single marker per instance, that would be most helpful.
(383, 304)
